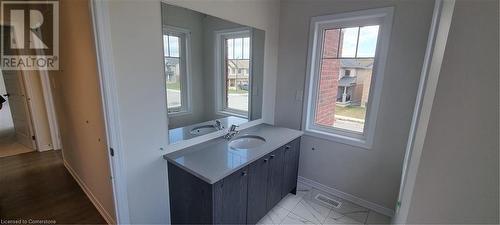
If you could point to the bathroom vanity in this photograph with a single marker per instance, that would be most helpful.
(233, 181)
(214, 71)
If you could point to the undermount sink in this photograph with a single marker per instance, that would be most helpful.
(247, 142)
(201, 130)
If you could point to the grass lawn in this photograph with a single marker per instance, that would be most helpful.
(236, 91)
(357, 112)
(174, 86)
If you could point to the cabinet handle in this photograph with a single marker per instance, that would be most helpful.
(244, 173)
(265, 160)
(272, 156)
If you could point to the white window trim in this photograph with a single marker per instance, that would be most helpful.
(186, 91)
(381, 16)
(219, 74)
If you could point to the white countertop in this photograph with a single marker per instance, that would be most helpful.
(213, 160)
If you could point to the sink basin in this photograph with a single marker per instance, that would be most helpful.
(247, 142)
(201, 130)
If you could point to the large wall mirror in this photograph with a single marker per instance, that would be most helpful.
(213, 72)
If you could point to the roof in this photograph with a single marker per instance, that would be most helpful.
(357, 63)
(347, 81)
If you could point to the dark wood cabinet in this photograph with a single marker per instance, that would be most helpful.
(230, 198)
(275, 178)
(245, 196)
(257, 189)
(291, 167)
(190, 198)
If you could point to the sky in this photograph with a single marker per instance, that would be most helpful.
(367, 41)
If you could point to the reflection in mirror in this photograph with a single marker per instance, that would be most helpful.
(213, 72)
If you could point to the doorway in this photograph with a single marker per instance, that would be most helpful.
(16, 127)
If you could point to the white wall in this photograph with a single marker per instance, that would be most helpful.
(137, 53)
(373, 175)
(458, 175)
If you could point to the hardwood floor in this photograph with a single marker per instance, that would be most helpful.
(37, 186)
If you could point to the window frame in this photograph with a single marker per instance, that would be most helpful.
(382, 17)
(185, 62)
(220, 81)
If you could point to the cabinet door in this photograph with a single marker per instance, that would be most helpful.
(230, 199)
(257, 189)
(275, 179)
(292, 152)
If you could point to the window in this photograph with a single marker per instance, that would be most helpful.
(346, 66)
(235, 73)
(175, 46)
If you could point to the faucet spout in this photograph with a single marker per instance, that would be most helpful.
(232, 132)
(218, 125)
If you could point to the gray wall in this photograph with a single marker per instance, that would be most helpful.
(458, 172)
(258, 46)
(374, 174)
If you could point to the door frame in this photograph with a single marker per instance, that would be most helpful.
(51, 111)
(21, 79)
(99, 10)
(436, 44)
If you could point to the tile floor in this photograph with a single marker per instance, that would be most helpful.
(304, 208)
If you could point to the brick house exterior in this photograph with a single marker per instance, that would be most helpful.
(335, 86)
(328, 81)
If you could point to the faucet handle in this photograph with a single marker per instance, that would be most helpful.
(233, 127)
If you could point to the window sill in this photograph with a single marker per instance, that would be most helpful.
(343, 139)
(229, 113)
(181, 113)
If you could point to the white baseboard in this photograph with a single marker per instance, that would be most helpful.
(367, 204)
(109, 219)
(45, 148)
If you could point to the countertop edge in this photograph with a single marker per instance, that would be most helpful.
(296, 134)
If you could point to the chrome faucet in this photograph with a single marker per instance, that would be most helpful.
(218, 125)
(231, 133)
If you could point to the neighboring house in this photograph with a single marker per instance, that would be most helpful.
(238, 71)
(354, 82)
(172, 69)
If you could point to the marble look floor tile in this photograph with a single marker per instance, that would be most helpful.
(311, 197)
(377, 218)
(277, 214)
(294, 219)
(311, 211)
(337, 218)
(347, 208)
(290, 201)
(265, 221)
(359, 216)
